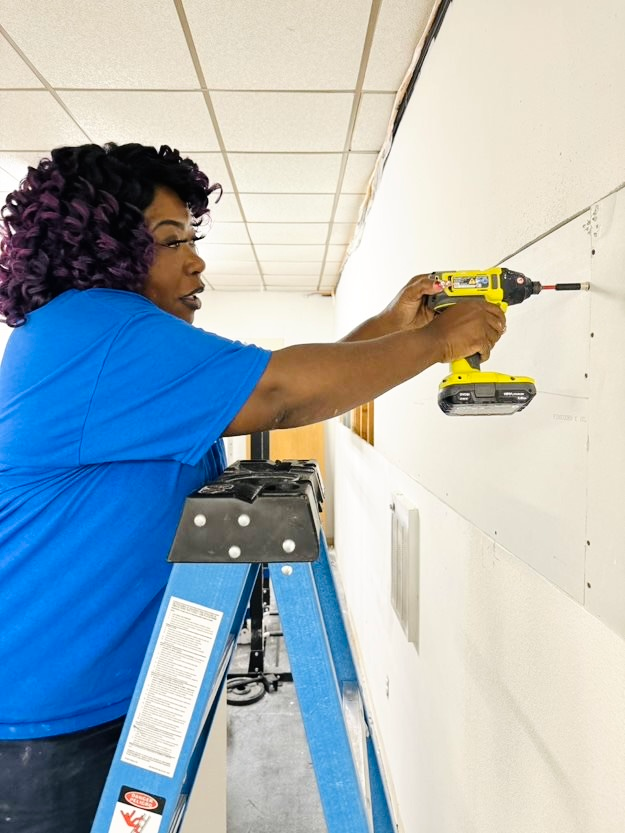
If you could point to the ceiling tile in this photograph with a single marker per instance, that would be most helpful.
(342, 232)
(17, 163)
(397, 33)
(294, 281)
(227, 233)
(226, 210)
(283, 121)
(117, 44)
(277, 267)
(357, 172)
(230, 267)
(288, 232)
(32, 119)
(331, 270)
(210, 251)
(286, 173)
(292, 253)
(276, 45)
(276, 208)
(213, 165)
(281, 81)
(15, 73)
(7, 183)
(176, 119)
(348, 208)
(292, 288)
(328, 284)
(235, 282)
(336, 253)
(372, 121)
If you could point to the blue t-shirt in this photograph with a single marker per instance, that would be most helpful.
(111, 412)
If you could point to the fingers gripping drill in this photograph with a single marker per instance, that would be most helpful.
(467, 391)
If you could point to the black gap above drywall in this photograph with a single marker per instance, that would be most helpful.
(430, 38)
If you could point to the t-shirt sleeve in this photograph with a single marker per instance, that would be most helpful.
(167, 391)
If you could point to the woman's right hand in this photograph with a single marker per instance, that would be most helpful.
(466, 328)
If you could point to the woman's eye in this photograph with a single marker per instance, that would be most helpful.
(174, 244)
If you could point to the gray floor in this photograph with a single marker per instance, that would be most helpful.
(271, 782)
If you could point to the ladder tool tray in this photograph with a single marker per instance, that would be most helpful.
(257, 511)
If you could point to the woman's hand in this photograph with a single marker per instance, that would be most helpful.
(408, 310)
(467, 328)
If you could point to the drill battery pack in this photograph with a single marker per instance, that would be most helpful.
(484, 394)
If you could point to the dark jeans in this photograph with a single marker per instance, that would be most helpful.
(53, 785)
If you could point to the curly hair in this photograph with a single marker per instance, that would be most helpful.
(76, 221)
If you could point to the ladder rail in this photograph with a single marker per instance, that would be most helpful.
(320, 699)
(206, 586)
(316, 638)
(331, 602)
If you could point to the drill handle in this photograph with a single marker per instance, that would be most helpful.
(467, 365)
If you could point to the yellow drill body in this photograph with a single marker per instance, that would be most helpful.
(467, 390)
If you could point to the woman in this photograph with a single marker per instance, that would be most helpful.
(112, 409)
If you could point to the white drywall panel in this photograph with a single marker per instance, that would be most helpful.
(605, 557)
(516, 123)
(458, 194)
(511, 715)
(520, 478)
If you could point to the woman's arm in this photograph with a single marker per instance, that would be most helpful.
(407, 311)
(312, 382)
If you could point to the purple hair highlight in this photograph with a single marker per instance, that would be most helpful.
(76, 222)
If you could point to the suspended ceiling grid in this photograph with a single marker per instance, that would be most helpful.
(286, 104)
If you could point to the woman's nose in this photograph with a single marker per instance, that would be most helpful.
(196, 264)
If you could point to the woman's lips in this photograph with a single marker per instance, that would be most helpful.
(192, 301)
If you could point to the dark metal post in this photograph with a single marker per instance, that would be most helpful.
(259, 451)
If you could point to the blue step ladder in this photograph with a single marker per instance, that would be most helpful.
(257, 513)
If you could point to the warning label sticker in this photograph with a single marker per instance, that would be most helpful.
(135, 811)
(171, 686)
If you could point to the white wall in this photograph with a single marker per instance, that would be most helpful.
(274, 320)
(510, 716)
(287, 317)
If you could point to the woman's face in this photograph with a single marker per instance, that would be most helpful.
(174, 280)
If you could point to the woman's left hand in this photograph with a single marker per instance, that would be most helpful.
(408, 310)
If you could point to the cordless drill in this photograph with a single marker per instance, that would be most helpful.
(467, 391)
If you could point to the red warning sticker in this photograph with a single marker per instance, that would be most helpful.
(142, 800)
(136, 809)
